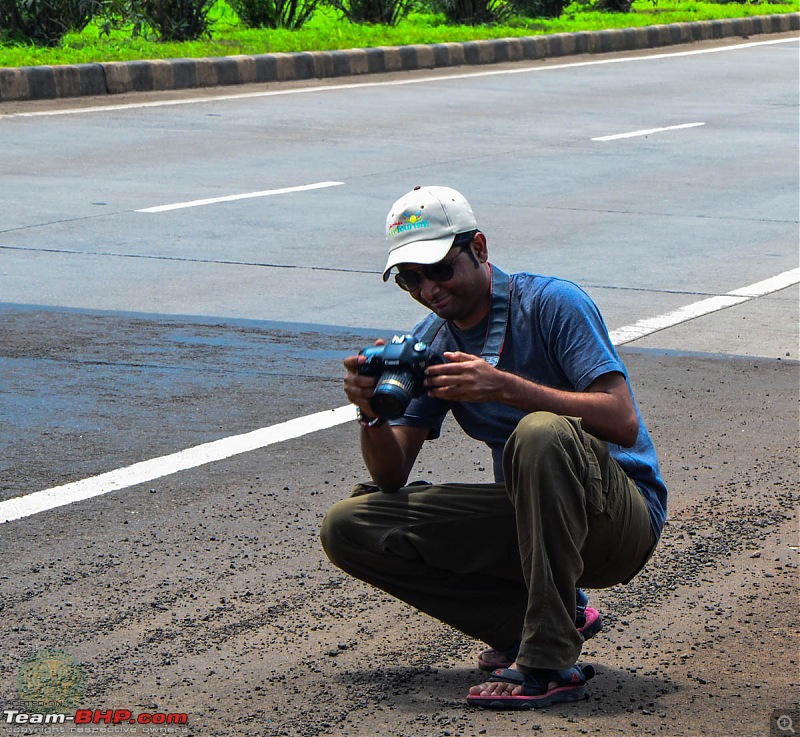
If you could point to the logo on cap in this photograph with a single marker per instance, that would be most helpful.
(409, 220)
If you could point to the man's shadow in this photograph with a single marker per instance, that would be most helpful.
(612, 690)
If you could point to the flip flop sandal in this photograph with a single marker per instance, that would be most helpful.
(551, 687)
(592, 623)
(491, 659)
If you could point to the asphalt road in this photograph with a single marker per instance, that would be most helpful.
(128, 335)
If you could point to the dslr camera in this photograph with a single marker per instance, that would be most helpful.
(400, 367)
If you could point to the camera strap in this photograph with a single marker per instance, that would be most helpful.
(498, 319)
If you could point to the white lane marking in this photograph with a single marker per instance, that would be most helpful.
(139, 473)
(773, 284)
(392, 83)
(649, 325)
(647, 132)
(234, 197)
(704, 307)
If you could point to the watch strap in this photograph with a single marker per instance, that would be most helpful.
(364, 422)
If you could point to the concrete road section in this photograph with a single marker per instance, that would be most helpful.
(645, 217)
(169, 280)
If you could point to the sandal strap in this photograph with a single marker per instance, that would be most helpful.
(532, 685)
(577, 675)
(507, 675)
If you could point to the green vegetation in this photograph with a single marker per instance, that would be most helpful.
(327, 29)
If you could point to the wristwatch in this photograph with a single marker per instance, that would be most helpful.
(364, 422)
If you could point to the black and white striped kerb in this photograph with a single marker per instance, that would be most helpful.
(111, 78)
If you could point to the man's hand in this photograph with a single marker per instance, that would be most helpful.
(465, 378)
(389, 452)
(359, 389)
(605, 407)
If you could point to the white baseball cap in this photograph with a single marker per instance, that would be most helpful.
(421, 226)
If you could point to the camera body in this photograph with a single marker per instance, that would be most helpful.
(400, 367)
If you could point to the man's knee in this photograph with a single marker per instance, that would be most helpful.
(334, 533)
(543, 451)
(540, 433)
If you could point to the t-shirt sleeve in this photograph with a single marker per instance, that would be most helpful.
(427, 412)
(576, 334)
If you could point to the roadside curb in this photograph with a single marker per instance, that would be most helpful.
(112, 78)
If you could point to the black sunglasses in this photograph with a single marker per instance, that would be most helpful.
(441, 271)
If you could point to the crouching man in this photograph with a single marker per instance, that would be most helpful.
(578, 501)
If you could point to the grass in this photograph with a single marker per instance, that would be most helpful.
(327, 31)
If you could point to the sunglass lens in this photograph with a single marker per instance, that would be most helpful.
(443, 271)
(410, 280)
(407, 280)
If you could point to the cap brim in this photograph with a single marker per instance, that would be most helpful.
(419, 252)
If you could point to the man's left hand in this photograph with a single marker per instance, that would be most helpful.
(465, 378)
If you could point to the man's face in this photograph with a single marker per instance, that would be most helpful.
(464, 298)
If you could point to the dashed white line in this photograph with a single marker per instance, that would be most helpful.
(234, 197)
(139, 473)
(647, 132)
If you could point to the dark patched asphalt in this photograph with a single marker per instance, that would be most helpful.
(207, 592)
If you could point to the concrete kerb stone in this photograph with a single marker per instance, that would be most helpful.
(78, 79)
(45, 82)
(15, 84)
(395, 60)
(425, 56)
(277, 67)
(448, 54)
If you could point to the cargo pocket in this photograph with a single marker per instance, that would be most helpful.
(606, 482)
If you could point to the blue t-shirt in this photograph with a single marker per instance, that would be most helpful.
(555, 337)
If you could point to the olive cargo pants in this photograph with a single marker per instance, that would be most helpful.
(500, 562)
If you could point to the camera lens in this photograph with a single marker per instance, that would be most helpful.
(392, 394)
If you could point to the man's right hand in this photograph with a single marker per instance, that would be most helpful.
(389, 451)
(359, 389)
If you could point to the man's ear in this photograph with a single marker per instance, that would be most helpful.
(479, 247)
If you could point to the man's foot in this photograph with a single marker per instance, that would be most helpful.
(589, 624)
(510, 688)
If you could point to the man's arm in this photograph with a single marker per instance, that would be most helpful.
(389, 452)
(606, 406)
